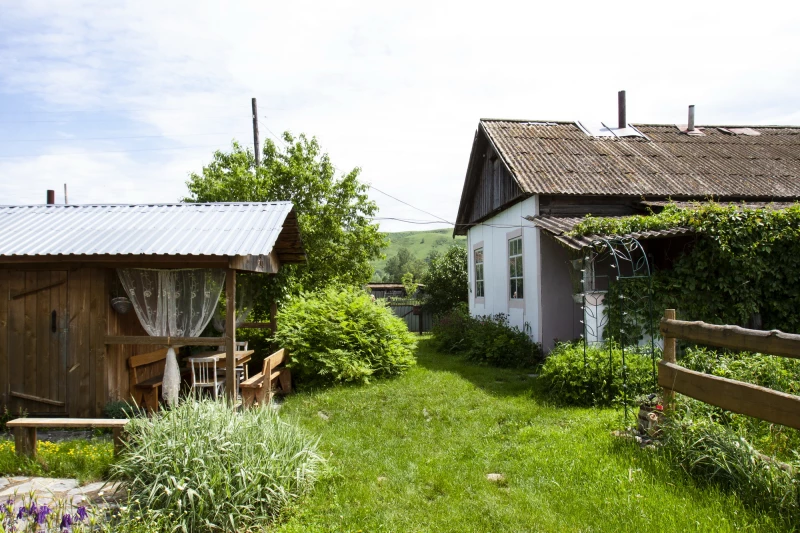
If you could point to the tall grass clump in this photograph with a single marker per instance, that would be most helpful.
(715, 454)
(596, 379)
(202, 466)
(339, 335)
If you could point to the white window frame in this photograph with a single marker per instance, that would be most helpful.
(518, 258)
(479, 247)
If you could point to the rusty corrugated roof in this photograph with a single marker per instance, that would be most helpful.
(559, 228)
(559, 158)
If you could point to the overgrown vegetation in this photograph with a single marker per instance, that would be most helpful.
(339, 335)
(595, 378)
(742, 268)
(446, 281)
(423, 246)
(489, 339)
(85, 460)
(203, 466)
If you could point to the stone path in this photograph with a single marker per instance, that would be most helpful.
(46, 490)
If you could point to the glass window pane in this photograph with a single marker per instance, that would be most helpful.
(519, 288)
(512, 269)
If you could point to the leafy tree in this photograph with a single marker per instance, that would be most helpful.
(334, 214)
(402, 263)
(446, 280)
(409, 284)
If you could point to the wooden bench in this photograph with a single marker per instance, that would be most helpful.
(148, 388)
(259, 388)
(25, 430)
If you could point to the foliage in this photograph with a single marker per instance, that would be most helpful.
(26, 515)
(208, 467)
(121, 409)
(339, 335)
(715, 454)
(744, 264)
(403, 263)
(334, 214)
(413, 453)
(446, 280)
(86, 460)
(435, 242)
(409, 284)
(777, 373)
(596, 380)
(487, 339)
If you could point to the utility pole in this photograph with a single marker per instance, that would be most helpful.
(255, 133)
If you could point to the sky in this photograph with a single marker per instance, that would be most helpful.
(123, 100)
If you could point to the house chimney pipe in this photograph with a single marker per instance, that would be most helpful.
(51, 197)
(690, 127)
(623, 120)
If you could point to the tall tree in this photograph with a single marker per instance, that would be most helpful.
(446, 281)
(334, 213)
(402, 263)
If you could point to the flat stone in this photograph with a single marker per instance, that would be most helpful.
(323, 415)
(495, 477)
(4, 482)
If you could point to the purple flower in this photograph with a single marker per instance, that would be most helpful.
(66, 522)
(21, 512)
(82, 514)
(32, 511)
(42, 513)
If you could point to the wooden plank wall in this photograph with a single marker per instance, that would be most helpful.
(495, 189)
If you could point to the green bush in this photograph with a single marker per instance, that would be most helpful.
(339, 335)
(121, 409)
(597, 380)
(207, 467)
(487, 339)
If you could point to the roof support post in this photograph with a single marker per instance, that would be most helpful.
(230, 336)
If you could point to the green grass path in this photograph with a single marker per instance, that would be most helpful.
(412, 455)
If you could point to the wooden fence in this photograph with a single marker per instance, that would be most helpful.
(729, 394)
(419, 322)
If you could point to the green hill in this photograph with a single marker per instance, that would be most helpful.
(419, 243)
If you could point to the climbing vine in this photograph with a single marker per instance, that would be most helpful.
(744, 263)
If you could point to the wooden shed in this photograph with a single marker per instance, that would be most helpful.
(63, 347)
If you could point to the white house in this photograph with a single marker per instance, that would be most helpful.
(529, 182)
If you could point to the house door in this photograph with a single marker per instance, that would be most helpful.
(37, 341)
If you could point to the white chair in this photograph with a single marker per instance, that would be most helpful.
(205, 375)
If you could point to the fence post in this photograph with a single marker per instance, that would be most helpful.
(669, 356)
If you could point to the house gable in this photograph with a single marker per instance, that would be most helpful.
(489, 186)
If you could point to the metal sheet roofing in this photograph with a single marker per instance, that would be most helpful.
(559, 227)
(560, 158)
(223, 229)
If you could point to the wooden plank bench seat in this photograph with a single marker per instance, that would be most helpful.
(145, 392)
(25, 430)
(259, 388)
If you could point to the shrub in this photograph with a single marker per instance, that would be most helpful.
(339, 335)
(210, 468)
(445, 281)
(597, 381)
(487, 339)
(121, 409)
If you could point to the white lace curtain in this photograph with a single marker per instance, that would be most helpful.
(173, 303)
(246, 290)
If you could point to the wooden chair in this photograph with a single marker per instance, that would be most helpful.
(145, 391)
(205, 375)
(242, 372)
(259, 388)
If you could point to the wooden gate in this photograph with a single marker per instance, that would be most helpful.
(37, 341)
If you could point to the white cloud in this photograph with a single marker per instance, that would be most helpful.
(395, 89)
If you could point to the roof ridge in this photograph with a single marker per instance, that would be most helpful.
(147, 204)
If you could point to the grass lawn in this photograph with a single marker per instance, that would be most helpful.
(85, 460)
(412, 454)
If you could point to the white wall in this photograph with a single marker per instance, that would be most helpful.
(494, 233)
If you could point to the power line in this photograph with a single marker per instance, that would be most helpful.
(111, 151)
(409, 205)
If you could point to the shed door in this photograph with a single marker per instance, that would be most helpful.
(37, 341)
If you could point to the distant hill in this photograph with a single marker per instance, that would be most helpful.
(419, 243)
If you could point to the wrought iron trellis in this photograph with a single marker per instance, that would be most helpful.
(625, 262)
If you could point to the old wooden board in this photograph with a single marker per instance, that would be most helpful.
(733, 337)
(736, 396)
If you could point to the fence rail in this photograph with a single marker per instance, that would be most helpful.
(731, 395)
(418, 323)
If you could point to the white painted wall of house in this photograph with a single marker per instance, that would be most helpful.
(494, 234)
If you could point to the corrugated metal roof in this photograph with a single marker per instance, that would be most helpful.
(559, 158)
(745, 205)
(559, 227)
(224, 229)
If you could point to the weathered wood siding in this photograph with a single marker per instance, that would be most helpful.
(494, 188)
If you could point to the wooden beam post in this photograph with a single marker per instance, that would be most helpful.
(230, 336)
(25, 442)
(670, 345)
